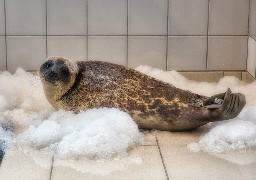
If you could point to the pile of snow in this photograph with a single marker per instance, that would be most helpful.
(236, 134)
(31, 121)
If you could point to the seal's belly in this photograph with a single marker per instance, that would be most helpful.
(157, 123)
(159, 114)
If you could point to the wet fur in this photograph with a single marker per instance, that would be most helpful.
(152, 104)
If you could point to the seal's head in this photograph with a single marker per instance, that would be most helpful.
(58, 75)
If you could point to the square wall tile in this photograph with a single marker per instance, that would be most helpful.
(2, 23)
(187, 53)
(147, 17)
(72, 47)
(25, 17)
(2, 54)
(66, 17)
(251, 58)
(25, 52)
(107, 17)
(228, 17)
(188, 17)
(108, 48)
(227, 53)
(252, 25)
(147, 50)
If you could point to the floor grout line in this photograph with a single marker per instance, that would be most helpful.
(165, 170)
(51, 167)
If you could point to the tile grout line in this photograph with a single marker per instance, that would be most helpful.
(127, 31)
(247, 53)
(165, 170)
(252, 37)
(167, 39)
(87, 29)
(207, 35)
(51, 167)
(46, 26)
(71, 35)
(5, 37)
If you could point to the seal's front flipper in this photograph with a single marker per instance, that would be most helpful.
(225, 105)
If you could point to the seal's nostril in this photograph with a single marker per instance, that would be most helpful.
(48, 64)
(65, 72)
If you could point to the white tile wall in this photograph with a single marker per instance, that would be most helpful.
(227, 53)
(147, 17)
(252, 26)
(251, 59)
(147, 50)
(2, 23)
(188, 17)
(26, 52)
(107, 17)
(187, 53)
(72, 47)
(130, 32)
(108, 48)
(66, 17)
(2, 54)
(25, 17)
(228, 17)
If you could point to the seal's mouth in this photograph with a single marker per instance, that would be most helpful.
(50, 78)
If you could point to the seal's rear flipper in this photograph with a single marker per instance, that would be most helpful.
(225, 105)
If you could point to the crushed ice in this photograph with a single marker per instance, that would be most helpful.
(28, 120)
(236, 134)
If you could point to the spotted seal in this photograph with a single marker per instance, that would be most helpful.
(153, 104)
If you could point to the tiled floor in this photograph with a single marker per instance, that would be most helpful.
(164, 155)
(31, 165)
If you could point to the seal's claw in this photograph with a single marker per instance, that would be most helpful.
(225, 105)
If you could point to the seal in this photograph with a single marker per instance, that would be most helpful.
(153, 104)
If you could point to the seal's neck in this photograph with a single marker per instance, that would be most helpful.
(54, 93)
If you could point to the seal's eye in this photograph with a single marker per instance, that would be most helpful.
(65, 72)
(48, 64)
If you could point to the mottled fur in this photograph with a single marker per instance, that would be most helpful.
(153, 104)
